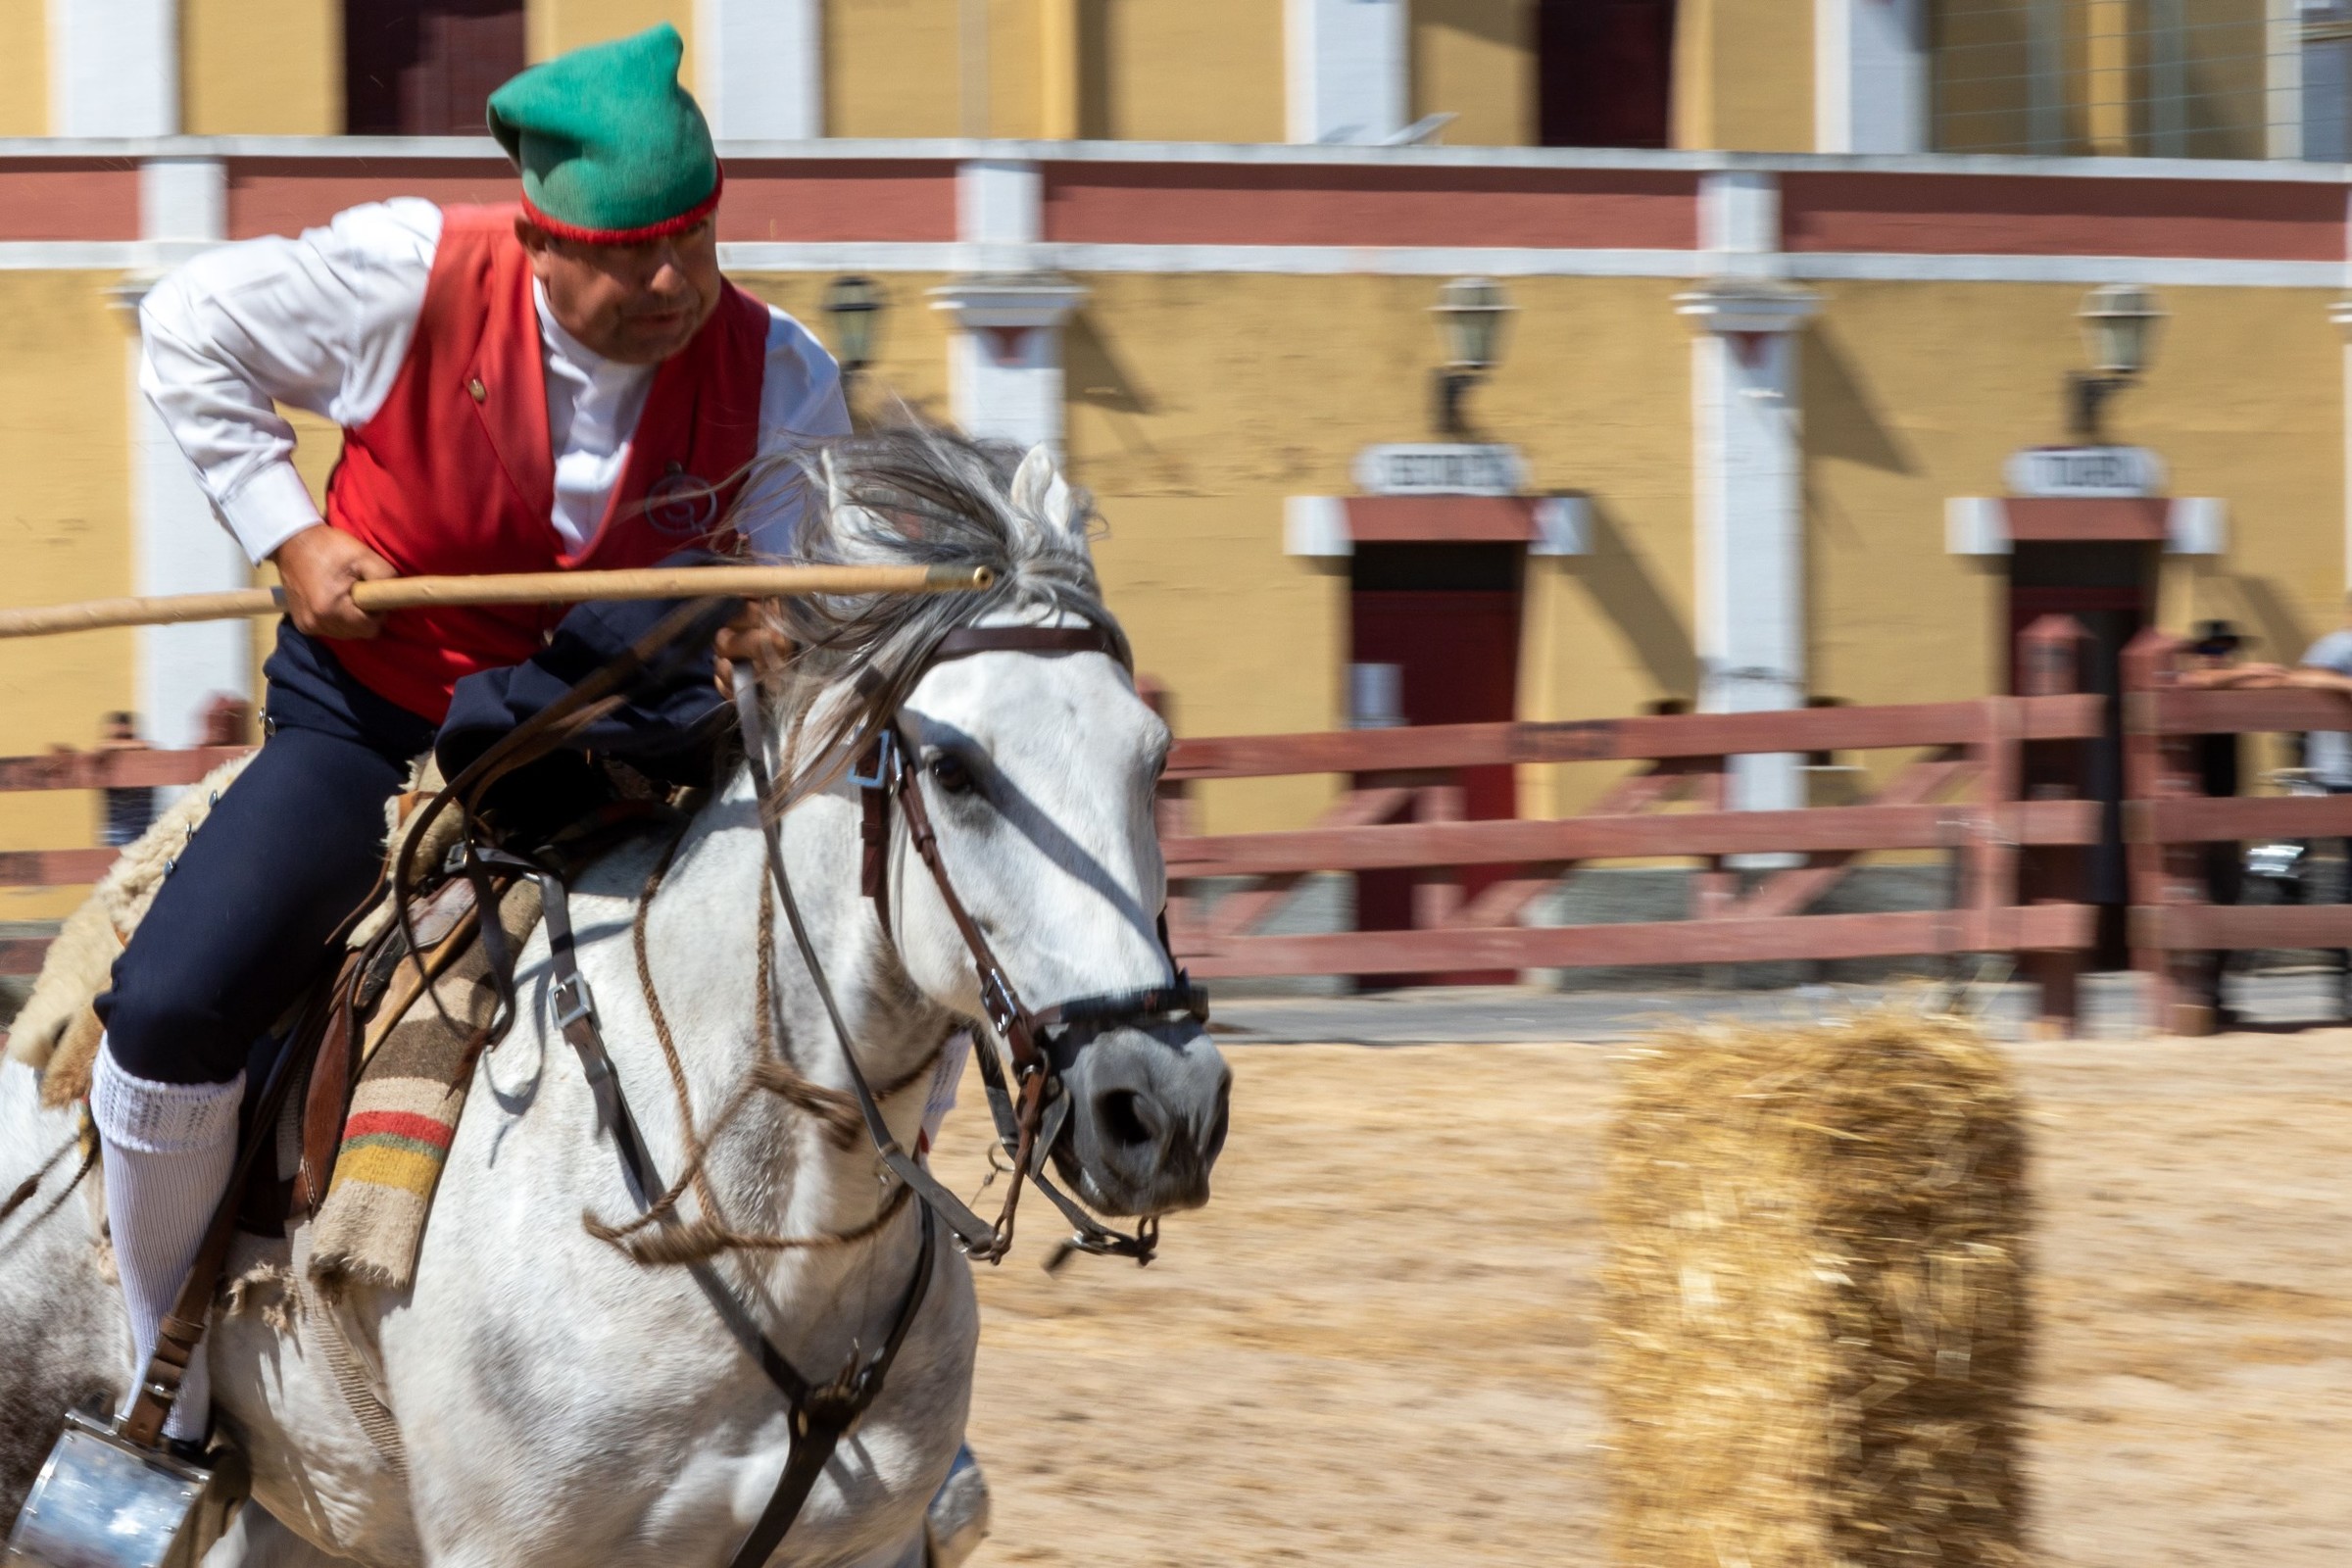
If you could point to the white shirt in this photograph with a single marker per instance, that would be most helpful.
(323, 324)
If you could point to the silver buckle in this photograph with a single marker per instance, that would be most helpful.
(573, 1002)
(884, 758)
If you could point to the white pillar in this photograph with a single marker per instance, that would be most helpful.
(1749, 528)
(1870, 76)
(114, 67)
(1347, 69)
(1000, 214)
(1005, 364)
(177, 545)
(759, 68)
(1740, 222)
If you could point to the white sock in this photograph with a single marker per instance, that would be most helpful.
(169, 1149)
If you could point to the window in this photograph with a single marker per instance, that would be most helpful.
(426, 67)
(2163, 78)
(1605, 72)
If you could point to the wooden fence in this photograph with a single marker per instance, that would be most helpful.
(84, 771)
(1992, 785)
(1403, 810)
(2169, 821)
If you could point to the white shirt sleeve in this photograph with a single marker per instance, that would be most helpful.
(799, 403)
(319, 324)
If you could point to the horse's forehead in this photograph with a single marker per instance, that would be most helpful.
(1006, 696)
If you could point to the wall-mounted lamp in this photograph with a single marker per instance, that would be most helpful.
(2119, 328)
(854, 305)
(1470, 312)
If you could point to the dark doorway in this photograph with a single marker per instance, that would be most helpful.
(426, 67)
(1604, 72)
(1447, 618)
(2111, 589)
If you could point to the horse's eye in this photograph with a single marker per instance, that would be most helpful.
(949, 771)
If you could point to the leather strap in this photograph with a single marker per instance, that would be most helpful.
(975, 1235)
(965, 641)
(821, 1414)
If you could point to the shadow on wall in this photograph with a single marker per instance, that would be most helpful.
(1507, 23)
(1841, 420)
(2272, 617)
(1094, 374)
(1621, 586)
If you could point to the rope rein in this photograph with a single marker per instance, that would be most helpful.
(681, 1242)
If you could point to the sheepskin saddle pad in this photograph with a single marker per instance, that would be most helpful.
(57, 1032)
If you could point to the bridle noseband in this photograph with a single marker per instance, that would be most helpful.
(1032, 1109)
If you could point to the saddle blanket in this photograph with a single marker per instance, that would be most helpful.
(418, 1062)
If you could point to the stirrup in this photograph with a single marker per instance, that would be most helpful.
(104, 1501)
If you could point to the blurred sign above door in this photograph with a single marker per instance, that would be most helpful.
(1440, 468)
(2084, 473)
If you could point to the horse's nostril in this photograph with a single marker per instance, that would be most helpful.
(1126, 1118)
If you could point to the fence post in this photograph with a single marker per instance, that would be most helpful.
(2049, 664)
(1172, 816)
(2163, 876)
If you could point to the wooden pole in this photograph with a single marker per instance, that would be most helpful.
(513, 588)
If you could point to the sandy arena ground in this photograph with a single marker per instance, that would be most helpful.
(1376, 1346)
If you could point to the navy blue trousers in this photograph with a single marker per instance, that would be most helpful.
(242, 924)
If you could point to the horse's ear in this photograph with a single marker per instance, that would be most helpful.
(1039, 489)
(833, 492)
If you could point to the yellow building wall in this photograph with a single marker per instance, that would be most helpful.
(894, 68)
(1187, 418)
(2109, 97)
(1744, 75)
(910, 348)
(1015, 68)
(898, 67)
(1203, 71)
(1980, 67)
(64, 534)
(1914, 393)
(550, 26)
(1476, 60)
(261, 68)
(2226, 78)
(23, 69)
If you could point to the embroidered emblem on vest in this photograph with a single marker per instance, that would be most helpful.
(681, 505)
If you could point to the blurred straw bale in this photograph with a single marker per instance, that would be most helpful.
(1815, 1299)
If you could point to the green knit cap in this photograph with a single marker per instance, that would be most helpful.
(611, 147)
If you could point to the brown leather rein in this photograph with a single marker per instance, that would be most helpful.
(1030, 1109)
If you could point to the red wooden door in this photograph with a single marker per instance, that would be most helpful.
(426, 67)
(1447, 616)
(2110, 588)
(1605, 69)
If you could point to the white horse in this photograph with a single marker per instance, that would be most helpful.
(541, 1399)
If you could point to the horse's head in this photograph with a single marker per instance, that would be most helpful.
(1036, 769)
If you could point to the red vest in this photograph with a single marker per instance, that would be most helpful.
(456, 473)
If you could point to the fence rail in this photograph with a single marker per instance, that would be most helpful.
(1991, 786)
(1401, 814)
(2170, 825)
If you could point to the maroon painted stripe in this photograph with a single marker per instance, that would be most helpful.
(68, 199)
(2003, 215)
(840, 201)
(1289, 203)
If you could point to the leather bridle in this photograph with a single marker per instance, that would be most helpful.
(1030, 1108)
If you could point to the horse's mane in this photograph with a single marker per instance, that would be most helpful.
(911, 494)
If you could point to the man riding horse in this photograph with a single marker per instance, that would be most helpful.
(563, 384)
